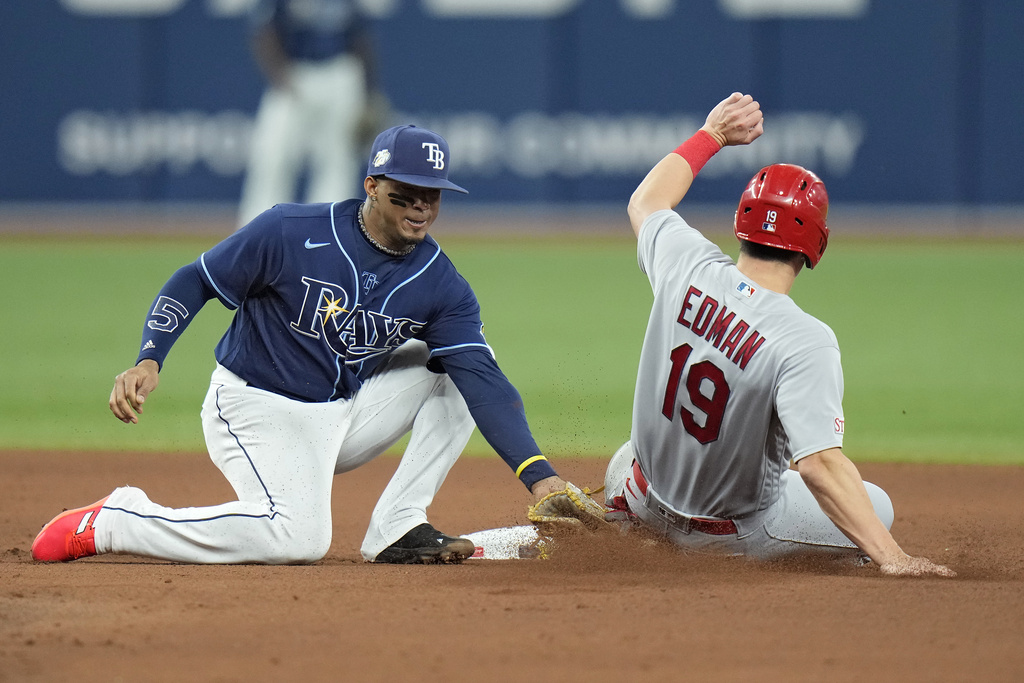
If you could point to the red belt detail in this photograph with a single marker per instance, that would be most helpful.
(640, 480)
(714, 527)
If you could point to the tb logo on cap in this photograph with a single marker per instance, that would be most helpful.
(434, 154)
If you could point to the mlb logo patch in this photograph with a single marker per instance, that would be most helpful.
(745, 289)
(768, 227)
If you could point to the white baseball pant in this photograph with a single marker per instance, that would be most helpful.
(281, 455)
(794, 525)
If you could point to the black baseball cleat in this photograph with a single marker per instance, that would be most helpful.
(426, 545)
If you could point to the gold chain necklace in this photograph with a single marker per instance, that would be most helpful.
(375, 243)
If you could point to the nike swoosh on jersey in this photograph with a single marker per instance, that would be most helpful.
(315, 245)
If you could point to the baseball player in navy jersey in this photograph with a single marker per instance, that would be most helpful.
(351, 329)
(317, 58)
(735, 382)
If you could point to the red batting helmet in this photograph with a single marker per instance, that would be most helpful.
(785, 206)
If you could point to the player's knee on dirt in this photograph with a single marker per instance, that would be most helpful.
(617, 471)
(303, 545)
(882, 503)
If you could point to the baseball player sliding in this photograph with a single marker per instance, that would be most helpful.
(351, 329)
(735, 381)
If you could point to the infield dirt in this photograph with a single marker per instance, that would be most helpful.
(601, 609)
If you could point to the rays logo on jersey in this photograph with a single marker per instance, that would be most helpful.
(745, 289)
(353, 333)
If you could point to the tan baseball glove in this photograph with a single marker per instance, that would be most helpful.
(571, 508)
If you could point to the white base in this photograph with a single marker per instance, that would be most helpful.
(508, 543)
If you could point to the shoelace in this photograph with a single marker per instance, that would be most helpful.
(81, 545)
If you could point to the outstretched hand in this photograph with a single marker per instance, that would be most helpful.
(543, 487)
(736, 120)
(915, 566)
(131, 388)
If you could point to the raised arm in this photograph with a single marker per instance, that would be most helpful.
(736, 120)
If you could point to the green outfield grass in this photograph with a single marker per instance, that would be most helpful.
(932, 338)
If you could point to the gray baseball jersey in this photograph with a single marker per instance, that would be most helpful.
(734, 380)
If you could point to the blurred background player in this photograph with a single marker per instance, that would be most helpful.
(321, 97)
(735, 381)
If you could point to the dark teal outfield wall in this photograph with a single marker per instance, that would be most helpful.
(542, 100)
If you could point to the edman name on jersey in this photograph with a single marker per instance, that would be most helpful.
(355, 333)
(724, 331)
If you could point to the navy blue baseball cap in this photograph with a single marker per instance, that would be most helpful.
(412, 155)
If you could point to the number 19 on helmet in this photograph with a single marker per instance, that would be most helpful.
(785, 206)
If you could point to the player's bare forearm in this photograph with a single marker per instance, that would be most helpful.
(363, 48)
(663, 188)
(271, 58)
(736, 120)
(131, 388)
(839, 490)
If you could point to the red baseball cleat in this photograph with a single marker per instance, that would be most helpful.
(68, 536)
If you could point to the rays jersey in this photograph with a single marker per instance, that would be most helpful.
(317, 307)
(734, 380)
